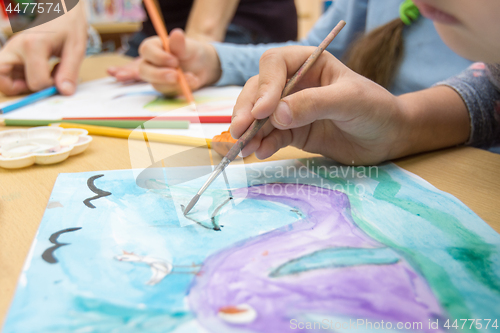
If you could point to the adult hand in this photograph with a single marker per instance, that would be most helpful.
(198, 60)
(24, 60)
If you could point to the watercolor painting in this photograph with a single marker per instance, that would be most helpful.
(209, 100)
(108, 98)
(294, 246)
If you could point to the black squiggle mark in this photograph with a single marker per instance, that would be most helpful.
(100, 193)
(190, 218)
(48, 255)
(228, 187)
(215, 224)
(296, 211)
(216, 211)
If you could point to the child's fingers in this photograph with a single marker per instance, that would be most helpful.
(275, 67)
(167, 90)
(112, 70)
(272, 80)
(127, 75)
(193, 81)
(252, 145)
(335, 102)
(9, 85)
(157, 75)
(151, 50)
(242, 117)
(174, 88)
(178, 43)
(256, 141)
(37, 67)
(128, 72)
(66, 77)
(273, 142)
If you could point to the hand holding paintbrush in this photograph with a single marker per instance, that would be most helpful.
(258, 123)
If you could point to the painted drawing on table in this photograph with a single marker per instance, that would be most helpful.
(299, 245)
(107, 98)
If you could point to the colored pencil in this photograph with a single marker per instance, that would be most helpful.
(191, 119)
(161, 124)
(30, 99)
(139, 135)
(161, 31)
(258, 123)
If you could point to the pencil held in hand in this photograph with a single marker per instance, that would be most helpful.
(161, 31)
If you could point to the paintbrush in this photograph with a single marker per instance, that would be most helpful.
(161, 31)
(258, 123)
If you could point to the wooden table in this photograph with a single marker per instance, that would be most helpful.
(471, 175)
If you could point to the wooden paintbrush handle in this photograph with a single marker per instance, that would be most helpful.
(257, 124)
(245, 138)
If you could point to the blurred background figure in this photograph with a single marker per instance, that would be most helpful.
(231, 21)
(96, 26)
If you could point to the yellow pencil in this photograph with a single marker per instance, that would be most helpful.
(140, 135)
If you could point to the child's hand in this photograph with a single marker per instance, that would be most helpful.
(343, 115)
(128, 72)
(198, 60)
(24, 60)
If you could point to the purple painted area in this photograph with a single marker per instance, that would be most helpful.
(240, 274)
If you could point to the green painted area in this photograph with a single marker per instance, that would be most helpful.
(477, 261)
(336, 258)
(472, 252)
(168, 104)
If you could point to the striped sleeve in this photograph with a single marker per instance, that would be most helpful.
(482, 99)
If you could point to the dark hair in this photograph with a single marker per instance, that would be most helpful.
(378, 54)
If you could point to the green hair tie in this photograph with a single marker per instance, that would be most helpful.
(408, 12)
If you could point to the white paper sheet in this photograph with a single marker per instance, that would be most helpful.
(108, 98)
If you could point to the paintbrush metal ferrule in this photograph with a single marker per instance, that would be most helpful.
(217, 171)
(259, 123)
(191, 204)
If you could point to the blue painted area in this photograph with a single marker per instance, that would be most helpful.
(89, 290)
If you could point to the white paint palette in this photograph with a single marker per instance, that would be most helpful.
(40, 145)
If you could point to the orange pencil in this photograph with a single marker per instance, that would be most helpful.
(161, 30)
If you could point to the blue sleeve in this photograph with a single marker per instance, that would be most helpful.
(241, 62)
(482, 99)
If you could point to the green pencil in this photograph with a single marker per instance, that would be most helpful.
(156, 124)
